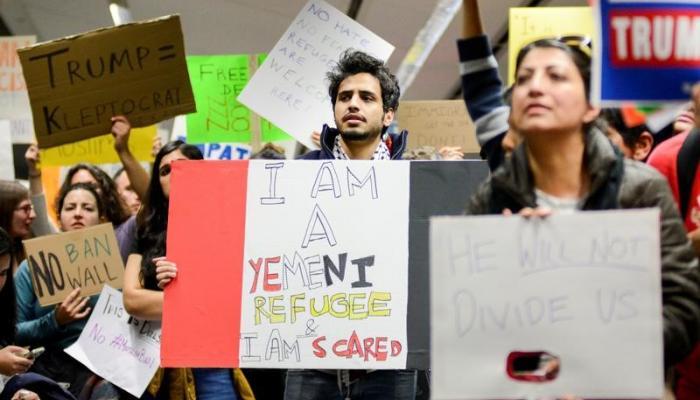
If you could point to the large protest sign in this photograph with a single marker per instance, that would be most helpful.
(527, 24)
(438, 123)
(100, 150)
(644, 39)
(87, 258)
(285, 278)
(290, 88)
(14, 102)
(311, 290)
(76, 84)
(119, 348)
(217, 81)
(584, 288)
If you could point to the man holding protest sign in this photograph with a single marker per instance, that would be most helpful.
(365, 96)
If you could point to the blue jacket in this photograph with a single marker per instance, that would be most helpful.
(396, 144)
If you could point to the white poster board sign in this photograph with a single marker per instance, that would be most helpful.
(117, 347)
(585, 288)
(290, 88)
(7, 163)
(320, 290)
(14, 100)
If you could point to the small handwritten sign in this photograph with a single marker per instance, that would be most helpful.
(100, 150)
(438, 123)
(585, 288)
(14, 102)
(77, 83)
(290, 88)
(86, 258)
(118, 347)
(527, 24)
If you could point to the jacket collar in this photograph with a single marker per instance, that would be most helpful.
(601, 159)
(395, 142)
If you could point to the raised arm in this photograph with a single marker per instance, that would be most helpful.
(481, 86)
(41, 225)
(121, 129)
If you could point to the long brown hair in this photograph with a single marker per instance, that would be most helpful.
(11, 194)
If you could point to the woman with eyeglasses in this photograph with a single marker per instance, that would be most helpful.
(57, 327)
(16, 216)
(566, 164)
(143, 297)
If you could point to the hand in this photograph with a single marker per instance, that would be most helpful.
(316, 138)
(24, 394)
(121, 128)
(451, 153)
(72, 308)
(12, 360)
(31, 156)
(166, 271)
(527, 212)
(157, 144)
(694, 238)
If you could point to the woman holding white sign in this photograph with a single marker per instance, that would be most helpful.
(143, 296)
(57, 327)
(566, 164)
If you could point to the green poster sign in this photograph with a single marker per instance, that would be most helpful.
(217, 81)
(268, 131)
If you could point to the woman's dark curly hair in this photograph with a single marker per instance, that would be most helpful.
(61, 198)
(114, 209)
(8, 309)
(152, 219)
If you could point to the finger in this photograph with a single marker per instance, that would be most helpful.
(526, 212)
(83, 314)
(71, 296)
(163, 283)
(506, 211)
(81, 305)
(542, 212)
(15, 349)
(155, 260)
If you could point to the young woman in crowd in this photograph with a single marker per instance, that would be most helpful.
(566, 163)
(56, 327)
(16, 217)
(143, 296)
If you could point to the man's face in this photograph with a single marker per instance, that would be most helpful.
(359, 112)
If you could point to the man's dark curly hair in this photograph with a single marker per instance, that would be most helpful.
(354, 62)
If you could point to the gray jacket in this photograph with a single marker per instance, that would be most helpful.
(618, 183)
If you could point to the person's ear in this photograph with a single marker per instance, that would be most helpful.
(388, 117)
(591, 114)
(642, 147)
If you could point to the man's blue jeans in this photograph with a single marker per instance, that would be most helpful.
(380, 384)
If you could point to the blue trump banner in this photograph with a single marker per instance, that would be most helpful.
(649, 51)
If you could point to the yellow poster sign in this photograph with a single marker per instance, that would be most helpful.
(100, 150)
(527, 24)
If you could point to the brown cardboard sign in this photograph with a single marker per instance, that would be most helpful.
(86, 258)
(438, 123)
(76, 84)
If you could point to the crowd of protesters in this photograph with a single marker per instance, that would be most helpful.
(549, 148)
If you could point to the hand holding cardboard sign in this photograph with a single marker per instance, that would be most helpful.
(72, 308)
(31, 156)
(166, 271)
(11, 361)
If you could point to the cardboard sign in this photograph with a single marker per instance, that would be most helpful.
(310, 293)
(14, 102)
(118, 347)
(87, 258)
(76, 84)
(290, 88)
(584, 288)
(100, 150)
(644, 39)
(438, 123)
(527, 24)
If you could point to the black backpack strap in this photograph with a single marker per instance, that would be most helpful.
(686, 168)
